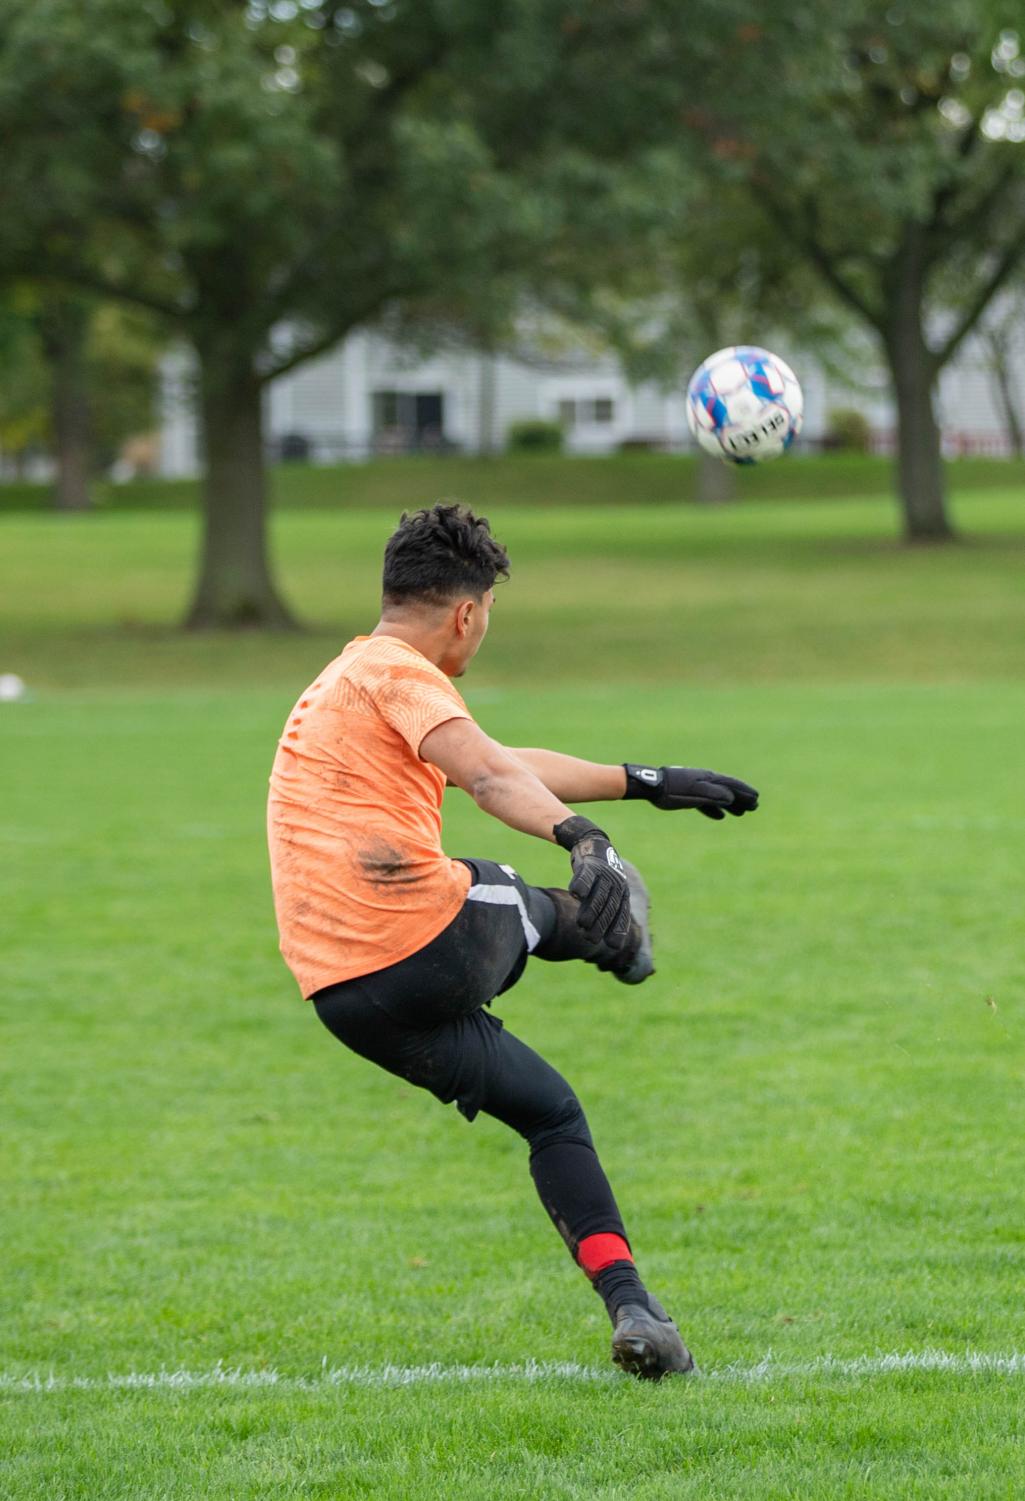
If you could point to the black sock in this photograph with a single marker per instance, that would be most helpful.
(617, 1284)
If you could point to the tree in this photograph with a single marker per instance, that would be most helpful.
(201, 181)
(884, 144)
(43, 400)
(266, 177)
(62, 320)
(56, 350)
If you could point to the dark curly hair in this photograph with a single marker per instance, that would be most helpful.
(435, 554)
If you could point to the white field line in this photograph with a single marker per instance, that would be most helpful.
(529, 1372)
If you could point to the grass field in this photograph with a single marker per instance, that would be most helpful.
(548, 480)
(238, 1262)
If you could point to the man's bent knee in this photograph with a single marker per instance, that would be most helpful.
(565, 1122)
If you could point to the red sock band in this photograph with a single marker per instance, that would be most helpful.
(595, 1252)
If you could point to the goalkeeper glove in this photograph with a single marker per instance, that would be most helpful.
(599, 881)
(674, 787)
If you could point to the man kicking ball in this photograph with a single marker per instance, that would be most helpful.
(402, 949)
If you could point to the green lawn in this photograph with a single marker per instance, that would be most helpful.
(551, 480)
(238, 1262)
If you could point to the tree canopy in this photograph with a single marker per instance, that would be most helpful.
(266, 177)
(884, 143)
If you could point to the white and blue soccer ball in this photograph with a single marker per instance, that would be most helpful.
(745, 405)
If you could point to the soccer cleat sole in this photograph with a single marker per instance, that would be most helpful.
(636, 1357)
(647, 1344)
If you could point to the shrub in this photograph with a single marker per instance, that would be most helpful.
(534, 436)
(848, 431)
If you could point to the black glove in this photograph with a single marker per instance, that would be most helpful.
(598, 881)
(689, 787)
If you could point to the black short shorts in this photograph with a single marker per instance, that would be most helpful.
(425, 1018)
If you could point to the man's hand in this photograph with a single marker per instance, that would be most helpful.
(674, 787)
(599, 881)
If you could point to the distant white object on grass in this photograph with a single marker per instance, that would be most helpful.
(12, 688)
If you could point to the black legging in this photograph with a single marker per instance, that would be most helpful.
(424, 1019)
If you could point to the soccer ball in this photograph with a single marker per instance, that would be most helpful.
(744, 405)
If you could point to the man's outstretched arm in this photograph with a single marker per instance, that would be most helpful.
(506, 788)
(666, 787)
(571, 778)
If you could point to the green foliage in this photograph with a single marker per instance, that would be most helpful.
(123, 349)
(24, 383)
(848, 431)
(251, 164)
(119, 356)
(534, 435)
(871, 134)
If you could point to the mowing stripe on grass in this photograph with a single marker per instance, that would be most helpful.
(768, 1369)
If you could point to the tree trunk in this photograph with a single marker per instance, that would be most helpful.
(716, 482)
(64, 326)
(920, 479)
(235, 586)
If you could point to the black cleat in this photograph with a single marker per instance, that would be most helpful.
(647, 1344)
(632, 963)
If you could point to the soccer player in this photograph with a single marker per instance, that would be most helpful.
(402, 949)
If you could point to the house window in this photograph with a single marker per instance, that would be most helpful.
(409, 420)
(586, 411)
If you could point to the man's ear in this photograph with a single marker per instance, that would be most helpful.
(463, 612)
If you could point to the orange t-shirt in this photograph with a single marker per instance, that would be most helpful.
(354, 816)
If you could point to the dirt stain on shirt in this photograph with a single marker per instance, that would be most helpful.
(385, 865)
